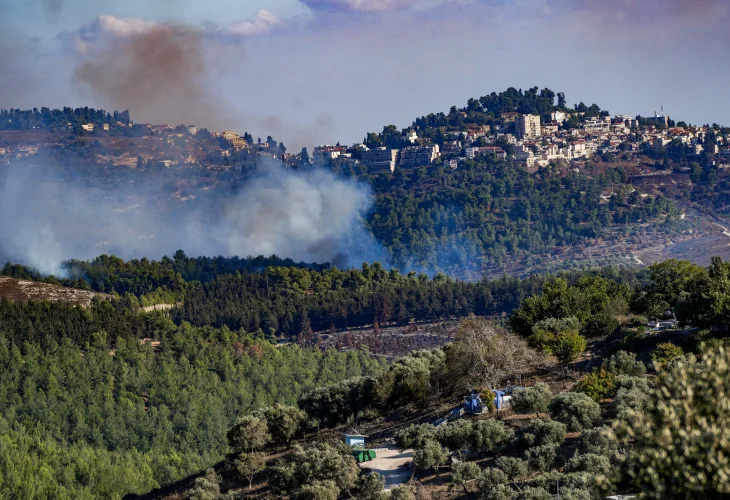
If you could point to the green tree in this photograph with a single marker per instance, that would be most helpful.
(567, 346)
(489, 435)
(431, 456)
(403, 492)
(249, 434)
(247, 465)
(682, 444)
(464, 472)
(534, 399)
(370, 486)
(318, 490)
(576, 410)
(282, 421)
(625, 363)
(512, 466)
(665, 353)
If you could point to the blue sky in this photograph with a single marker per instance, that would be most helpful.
(322, 71)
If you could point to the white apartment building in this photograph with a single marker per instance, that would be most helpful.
(380, 159)
(529, 126)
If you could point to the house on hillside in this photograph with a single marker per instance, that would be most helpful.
(355, 440)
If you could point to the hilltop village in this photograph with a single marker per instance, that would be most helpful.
(563, 136)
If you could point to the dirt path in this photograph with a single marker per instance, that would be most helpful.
(393, 465)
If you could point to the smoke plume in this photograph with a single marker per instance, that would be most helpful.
(310, 216)
(160, 73)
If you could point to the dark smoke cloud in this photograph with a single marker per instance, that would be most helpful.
(312, 216)
(161, 74)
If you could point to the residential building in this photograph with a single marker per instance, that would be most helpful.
(451, 148)
(558, 117)
(453, 164)
(549, 128)
(509, 117)
(192, 130)
(380, 159)
(415, 156)
(412, 136)
(89, 127)
(323, 154)
(597, 125)
(528, 126)
(105, 127)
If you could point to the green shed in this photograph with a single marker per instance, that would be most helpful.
(363, 455)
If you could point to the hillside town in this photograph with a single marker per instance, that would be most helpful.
(533, 141)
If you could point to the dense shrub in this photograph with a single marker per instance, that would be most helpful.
(415, 436)
(625, 363)
(540, 432)
(534, 399)
(590, 463)
(488, 435)
(597, 385)
(541, 458)
(599, 441)
(512, 466)
(666, 352)
(576, 410)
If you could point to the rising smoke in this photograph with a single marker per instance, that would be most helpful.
(310, 216)
(162, 74)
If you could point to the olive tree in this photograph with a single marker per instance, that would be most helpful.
(682, 443)
(431, 456)
(576, 410)
(488, 435)
(534, 399)
(463, 472)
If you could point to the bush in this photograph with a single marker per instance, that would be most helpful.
(403, 492)
(575, 494)
(597, 385)
(599, 441)
(488, 435)
(532, 493)
(370, 486)
(541, 432)
(250, 433)
(600, 326)
(415, 436)
(682, 447)
(318, 490)
(666, 352)
(490, 479)
(624, 363)
(627, 382)
(513, 467)
(568, 345)
(462, 472)
(590, 463)
(456, 436)
(431, 456)
(630, 401)
(534, 399)
(576, 410)
(541, 458)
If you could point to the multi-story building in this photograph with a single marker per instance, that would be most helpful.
(418, 156)
(528, 126)
(323, 154)
(558, 116)
(380, 159)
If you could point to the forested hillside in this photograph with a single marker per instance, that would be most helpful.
(109, 400)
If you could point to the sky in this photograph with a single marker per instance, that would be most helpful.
(321, 71)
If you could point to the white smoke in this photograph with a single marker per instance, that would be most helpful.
(309, 216)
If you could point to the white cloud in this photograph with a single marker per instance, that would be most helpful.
(357, 5)
(260, 23)
(106, 27)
